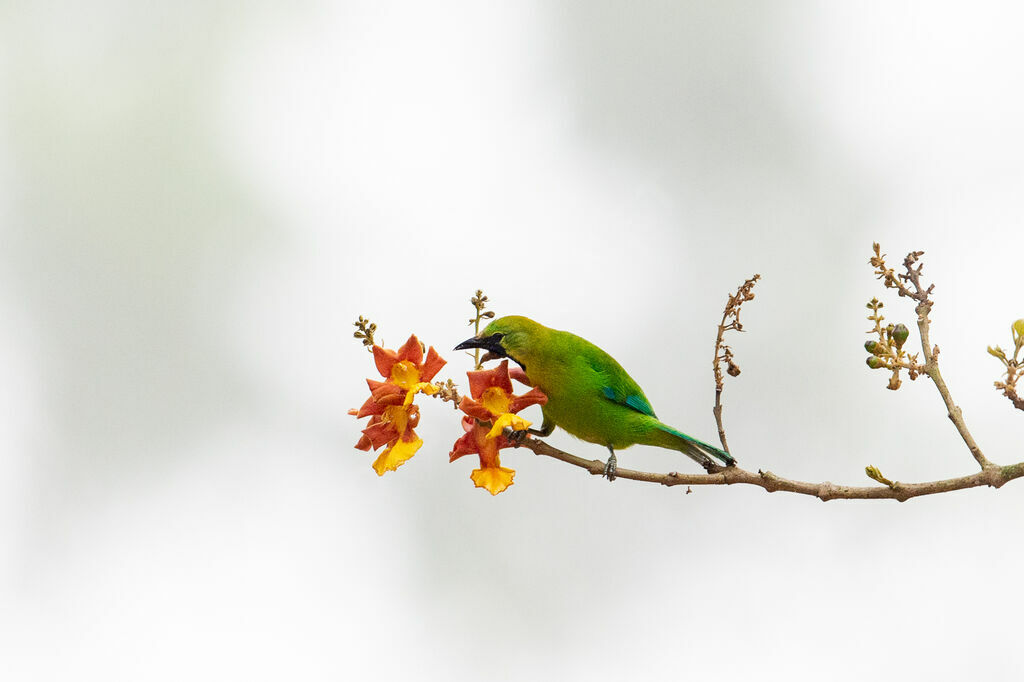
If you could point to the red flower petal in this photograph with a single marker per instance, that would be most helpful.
(370, 407)
(380, 433)
(385, 359)
(519, 375)
(412, 351)
(475, 409)
(481, 380)
(387, 394)
(534, 396)
(467, 444)
(432, 365)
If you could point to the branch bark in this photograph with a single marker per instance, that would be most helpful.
(994, 476)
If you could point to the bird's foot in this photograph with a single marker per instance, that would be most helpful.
(709, 465)
(516, 438)
(610, 466)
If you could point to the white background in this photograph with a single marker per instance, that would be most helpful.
(197, 199)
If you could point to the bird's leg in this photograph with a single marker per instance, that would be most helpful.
(611, 465)
(709, 465)
(545, 430)
(517, 437)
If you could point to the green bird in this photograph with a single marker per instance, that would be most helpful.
(589, 394)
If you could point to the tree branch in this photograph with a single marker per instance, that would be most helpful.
(908, 285)
(994, 476)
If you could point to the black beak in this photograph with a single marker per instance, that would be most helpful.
(491, 344)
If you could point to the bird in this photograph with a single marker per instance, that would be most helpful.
(589, 394)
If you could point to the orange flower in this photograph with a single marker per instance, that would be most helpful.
(407, 368)
(390, 405)
(491, 475)
(492, 401)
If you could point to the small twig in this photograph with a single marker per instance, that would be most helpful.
(479, 302)
(1014, 365)
(723, 353)
(921, 294)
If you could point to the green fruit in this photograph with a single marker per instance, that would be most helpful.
(900, 334)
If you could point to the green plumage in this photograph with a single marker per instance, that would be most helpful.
(589, 394)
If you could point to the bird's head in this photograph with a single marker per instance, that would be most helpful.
(506, 337)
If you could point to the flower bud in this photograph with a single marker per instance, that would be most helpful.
(997, 352)
(900, 334)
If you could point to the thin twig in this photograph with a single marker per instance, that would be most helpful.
(1014, 365)
(479, 302)
(723, 353)
(931, 366)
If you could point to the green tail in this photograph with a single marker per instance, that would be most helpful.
(696, 449)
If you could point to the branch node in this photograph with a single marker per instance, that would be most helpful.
(827, 491)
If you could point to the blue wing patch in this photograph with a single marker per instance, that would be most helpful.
(638, 403)
(634, 401)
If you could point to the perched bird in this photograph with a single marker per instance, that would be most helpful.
(589, 394)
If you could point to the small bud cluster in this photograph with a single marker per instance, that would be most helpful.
(887, 350)
(900, 282)
(365, 331)
(731, 320)
(479, 302)
(448, 392)
(1014, 364)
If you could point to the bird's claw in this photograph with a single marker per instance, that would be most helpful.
(516, 438)
(609, 468)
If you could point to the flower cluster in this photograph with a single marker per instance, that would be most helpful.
(490, 408)
(887, 349)
(393, 416)
(489, 411)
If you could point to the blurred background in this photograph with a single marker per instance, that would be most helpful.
(197, 200)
